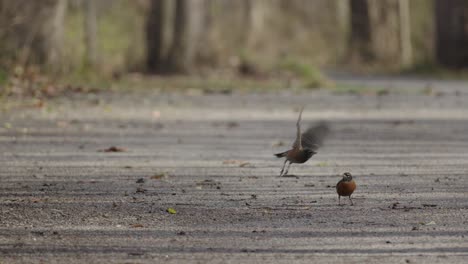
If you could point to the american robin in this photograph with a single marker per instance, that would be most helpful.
(305, 145)
(346, 186)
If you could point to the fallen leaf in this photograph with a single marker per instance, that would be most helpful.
(140, 190)
(141, 180)
(237, 162)
(159, 176)
(137, 226)
(39, 104)
(113, 149)
(246, 165)
(210, 183)
(171, 211)
(232, 124)
(322, 164)
(156, 114)
(135, 253)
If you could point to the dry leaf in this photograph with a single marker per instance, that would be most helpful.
(322, 164)
(159, 176)
(429, 223)
(113, 149)
(156, 114)
(246, 165)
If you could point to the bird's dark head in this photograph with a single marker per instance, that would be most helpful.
(309, 153)
(347, 176)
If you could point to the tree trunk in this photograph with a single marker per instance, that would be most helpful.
(405, 34)
(360, 36)
(452, 32)
(187, 27)
(375, 31)
(343, 27)
(385, 31)
(155, 25)
(254, 20)
(32, 32)
(90, 26)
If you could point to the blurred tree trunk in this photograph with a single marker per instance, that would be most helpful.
(56, 38)
(342, 19)
(405, 34)
(187, 28)
(208, 49)
(375, 31)
(90, 26)
(32, 32)
(155, 25)
(385, 31)
(452, 32)
(254, 12)
(360, 36)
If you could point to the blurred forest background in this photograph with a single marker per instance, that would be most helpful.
(46, 42)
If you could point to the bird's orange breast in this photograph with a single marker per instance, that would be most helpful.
(345, 188)
(297, 156)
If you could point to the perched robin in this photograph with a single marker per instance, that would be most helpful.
(346, 187)
(305, 145)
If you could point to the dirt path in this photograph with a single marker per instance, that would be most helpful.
(209, 157)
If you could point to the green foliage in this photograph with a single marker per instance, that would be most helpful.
(121, 36)
(422, 30)
(74, 41)
(120, 39)
(310, 76)
(3, 77)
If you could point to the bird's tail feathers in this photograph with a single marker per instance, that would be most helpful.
(282, 154)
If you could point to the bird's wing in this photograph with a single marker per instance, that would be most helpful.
(313, 137)
(339, 183)
(298, 141)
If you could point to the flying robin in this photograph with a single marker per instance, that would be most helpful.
(346, 187)
(305, 145)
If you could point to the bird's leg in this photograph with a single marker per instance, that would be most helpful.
(284, 164)
(351, 200)
(339, 199)
(287, 168)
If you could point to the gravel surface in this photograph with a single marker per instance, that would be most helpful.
(192, 178)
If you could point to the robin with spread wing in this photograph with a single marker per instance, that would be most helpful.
(305, 145)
